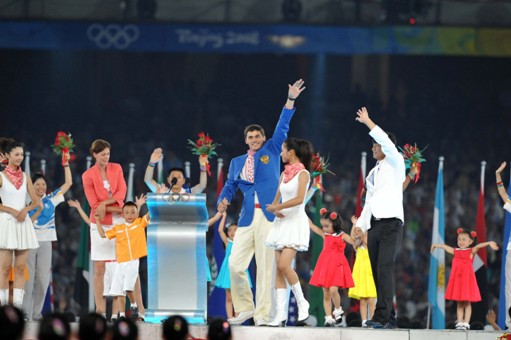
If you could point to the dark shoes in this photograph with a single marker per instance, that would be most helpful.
(378, 325)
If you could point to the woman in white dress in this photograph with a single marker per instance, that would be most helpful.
(290, 231)
(17, 233)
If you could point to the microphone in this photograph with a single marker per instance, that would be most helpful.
(173, 182)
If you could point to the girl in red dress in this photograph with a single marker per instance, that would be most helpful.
(332, 270)
(462, 286)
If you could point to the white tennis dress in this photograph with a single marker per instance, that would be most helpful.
(292, 230)
(13, 234)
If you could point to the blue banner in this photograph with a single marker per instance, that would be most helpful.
(211, 38)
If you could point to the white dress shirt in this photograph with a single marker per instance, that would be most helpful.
(384, 183)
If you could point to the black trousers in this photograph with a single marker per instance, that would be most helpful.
(383, 241)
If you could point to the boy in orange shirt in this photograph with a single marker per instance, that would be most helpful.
(130, 246)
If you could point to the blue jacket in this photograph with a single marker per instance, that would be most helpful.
(266, 173)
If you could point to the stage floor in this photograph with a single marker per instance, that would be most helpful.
(153, 331)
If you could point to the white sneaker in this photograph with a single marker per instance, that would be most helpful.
(242, 317)
(329, 321)
(338, 314)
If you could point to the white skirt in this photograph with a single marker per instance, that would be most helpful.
(17, 235)
(290, 232)
(103, 249)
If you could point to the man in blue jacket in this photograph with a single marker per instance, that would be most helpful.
(257, 175)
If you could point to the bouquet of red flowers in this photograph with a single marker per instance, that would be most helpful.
(63, 146)
(319, 167)
(204, 147)
(413, 158)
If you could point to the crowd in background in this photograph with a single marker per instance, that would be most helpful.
(466, 120)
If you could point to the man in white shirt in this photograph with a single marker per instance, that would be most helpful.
(382, 218)
(507, 206)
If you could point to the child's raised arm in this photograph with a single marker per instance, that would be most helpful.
(75, 204)
(214, 219)
(221, 227)
(315, 229)
(357, 233)
(448, 249)
(500, 184)
(140, 201)
(481, 245)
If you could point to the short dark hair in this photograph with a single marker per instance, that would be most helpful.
(175, 327)
(12, 322)
(129, 204)
(124, 329)
(177, 169)
(253, 127)
(219, 329)
(37, 176)
(391, 136)
(54, 327)
(92, 326)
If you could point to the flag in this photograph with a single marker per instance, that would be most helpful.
(316, 293)
(216, 303)
(81, 293)
(479, 309)
(436, 287)
(502, 298)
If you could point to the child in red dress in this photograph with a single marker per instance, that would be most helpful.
(332, 270)
(462, 286)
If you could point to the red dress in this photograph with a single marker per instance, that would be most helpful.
(332, 268)
(462, 285)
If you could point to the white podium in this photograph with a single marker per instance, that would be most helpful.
(176, 259)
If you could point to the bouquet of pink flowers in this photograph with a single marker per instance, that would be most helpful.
(64, 145)
(204, 147)
(413, 158)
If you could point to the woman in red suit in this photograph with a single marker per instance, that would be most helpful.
(105, 189)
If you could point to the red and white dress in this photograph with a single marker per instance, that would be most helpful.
(332, 268)
(462, 285)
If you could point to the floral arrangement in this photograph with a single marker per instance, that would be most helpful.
(204, 147)
(413, 158)
(319, 167)
(64, 145)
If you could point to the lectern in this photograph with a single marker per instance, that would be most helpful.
(176, 258)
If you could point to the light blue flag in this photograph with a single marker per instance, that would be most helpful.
(436, 290)
(502, 299)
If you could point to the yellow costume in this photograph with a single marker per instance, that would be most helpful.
(362, 276)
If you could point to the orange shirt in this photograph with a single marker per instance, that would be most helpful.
(130, 242)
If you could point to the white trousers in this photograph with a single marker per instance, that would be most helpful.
(247, 242)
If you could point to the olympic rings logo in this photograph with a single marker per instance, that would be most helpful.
(120, 37)
(175, 197)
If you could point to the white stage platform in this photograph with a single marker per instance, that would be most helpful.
(153, 331)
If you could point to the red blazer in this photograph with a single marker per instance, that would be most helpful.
(96, 192)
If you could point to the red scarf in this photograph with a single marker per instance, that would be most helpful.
(15, 176)
(290, 170)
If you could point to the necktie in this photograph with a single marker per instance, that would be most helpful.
(249, 166)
